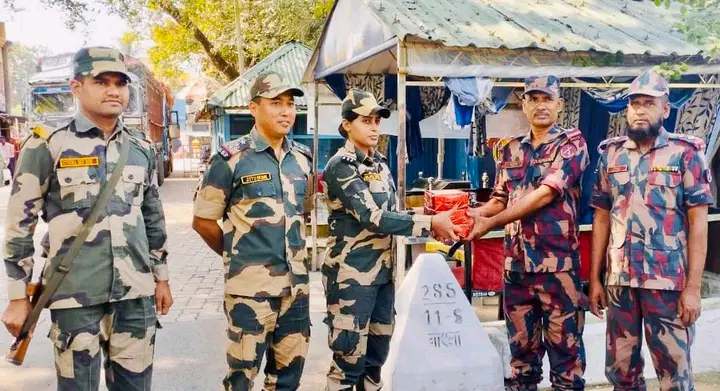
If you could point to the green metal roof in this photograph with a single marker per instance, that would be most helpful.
(288, 60)
(611, 26)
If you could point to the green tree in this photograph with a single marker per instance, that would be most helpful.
(699, 22)
(129, 42)
(23, 62)
(206, 30)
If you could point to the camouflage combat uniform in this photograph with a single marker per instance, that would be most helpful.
(542, 285)
(260, 200)
(648, 196)
(106, 300)
(358, 267)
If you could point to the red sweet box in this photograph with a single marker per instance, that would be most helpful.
(443, 200)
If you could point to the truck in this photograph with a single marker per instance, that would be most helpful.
(52, 104)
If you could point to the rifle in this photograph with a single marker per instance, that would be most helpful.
(40, 295)
(19, 348)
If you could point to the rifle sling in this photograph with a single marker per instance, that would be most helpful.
(56, 276)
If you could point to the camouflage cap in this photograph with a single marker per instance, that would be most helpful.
(649, 83)
(361, 103)
(270, 85)
(547, 84)
(93, 61)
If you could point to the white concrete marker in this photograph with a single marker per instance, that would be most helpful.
(438, 343)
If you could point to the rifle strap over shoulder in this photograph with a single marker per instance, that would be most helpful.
(63, 267)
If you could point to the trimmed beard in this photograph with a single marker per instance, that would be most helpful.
(644, 134)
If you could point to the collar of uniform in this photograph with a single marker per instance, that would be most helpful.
(83, 124)
(260, 144)
(660, 141)
(552, 134)
(361, 157)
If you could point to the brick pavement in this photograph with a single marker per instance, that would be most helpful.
(190, 348)
(196, 272)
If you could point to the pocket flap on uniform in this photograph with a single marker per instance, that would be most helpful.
(665, 178)
(134, 174)
(619, 177)
(260, 189)
(344, 322)
(515, 174)
(75, 176)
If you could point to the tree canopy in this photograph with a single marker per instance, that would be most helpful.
(205, 31)
(699, 22)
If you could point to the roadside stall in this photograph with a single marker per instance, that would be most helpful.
(424, 56)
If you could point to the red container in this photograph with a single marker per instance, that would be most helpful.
(443, 200)
(489, 263)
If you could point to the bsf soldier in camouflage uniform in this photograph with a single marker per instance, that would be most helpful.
(108, 299)
(651, 202)
(256, 184)
(358, 267)
(535, 197)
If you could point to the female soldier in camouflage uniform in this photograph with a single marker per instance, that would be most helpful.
(357, 272)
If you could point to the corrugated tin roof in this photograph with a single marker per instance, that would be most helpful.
(288, 60)
(612, 26)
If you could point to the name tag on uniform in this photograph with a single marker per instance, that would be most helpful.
(665, 169)
(615, 169)
(255, 178)
(511, 164)
(371, 176)
(542, 160)
(80, 161)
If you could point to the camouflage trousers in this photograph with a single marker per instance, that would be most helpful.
(277, 327)
(360, 320)
(545, 312)
(124, 331)
(668, 340)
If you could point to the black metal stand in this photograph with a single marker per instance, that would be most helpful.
(468, 268)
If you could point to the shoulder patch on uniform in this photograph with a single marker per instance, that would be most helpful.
(573, 134)
(234, 147)
(302, 148)
(695, 142)
(568, 150)
(610, 141)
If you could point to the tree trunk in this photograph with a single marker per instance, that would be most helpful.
(216, 58)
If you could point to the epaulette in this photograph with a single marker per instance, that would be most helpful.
(573, 134)
(612, 140)
(501, 144)
(137, 134)
(39, 130)
(302, 148)
(694, 141)
(347, 156)
(234, 147)
(140, 139)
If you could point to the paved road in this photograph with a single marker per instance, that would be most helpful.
(190, 347)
